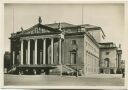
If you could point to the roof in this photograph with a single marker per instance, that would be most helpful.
(25, 32)
(88, 26)
(54, 28)
(40, 25)
(92, 38)
(63, 25)
(68, 25)
(93, 27)
(107, 45)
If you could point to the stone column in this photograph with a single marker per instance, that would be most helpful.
(21, 52)
(44, 51)
(28, 61)
(41, 57)
(13, 62)
(33, 56)
(60, 62)
(52, 48)
(35, 51)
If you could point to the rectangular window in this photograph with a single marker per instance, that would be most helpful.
(107, 63)
(107, 53)
(73, 42)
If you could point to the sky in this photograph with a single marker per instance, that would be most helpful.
(110, 17)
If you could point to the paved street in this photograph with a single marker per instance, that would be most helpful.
(40, 80)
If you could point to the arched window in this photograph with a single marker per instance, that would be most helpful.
(73, 52)
(106, 62)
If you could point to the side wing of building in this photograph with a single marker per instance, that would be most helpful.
(91, 55)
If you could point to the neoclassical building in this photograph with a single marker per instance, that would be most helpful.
(110, 58)
(58, 48)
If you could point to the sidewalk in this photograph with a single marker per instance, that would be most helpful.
(54, 80)
(103, 76)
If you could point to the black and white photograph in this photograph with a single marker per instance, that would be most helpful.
(64, 44)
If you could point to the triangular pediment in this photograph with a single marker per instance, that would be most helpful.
(40, 29)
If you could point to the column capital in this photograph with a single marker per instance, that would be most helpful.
(21, 39)
(28, 39)
(43, 38)
(35, 39)
(52, 38)
(25, 38)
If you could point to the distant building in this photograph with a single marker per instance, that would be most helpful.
(110, 57)
(57, 47)
(7, 61)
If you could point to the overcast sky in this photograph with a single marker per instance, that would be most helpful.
(110, 17)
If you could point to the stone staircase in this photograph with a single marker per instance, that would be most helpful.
(12, 69)
(65, 70)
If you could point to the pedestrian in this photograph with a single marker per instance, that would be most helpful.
(123, 75)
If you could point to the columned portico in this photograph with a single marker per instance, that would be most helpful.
(40, 50)
(43, 56)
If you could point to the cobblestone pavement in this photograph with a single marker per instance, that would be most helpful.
(42, 80)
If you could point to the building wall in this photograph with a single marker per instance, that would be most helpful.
(87, 53)
(91, 56)
(56, 53)
(15, 48)
(67, 47)
(112, 57)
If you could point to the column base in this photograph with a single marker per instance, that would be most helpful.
(34, 71)
(42, 72)
(21, 72)
(61, 71)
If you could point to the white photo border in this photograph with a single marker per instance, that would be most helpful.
(59, 2)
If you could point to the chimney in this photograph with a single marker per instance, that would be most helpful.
(119, 46)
